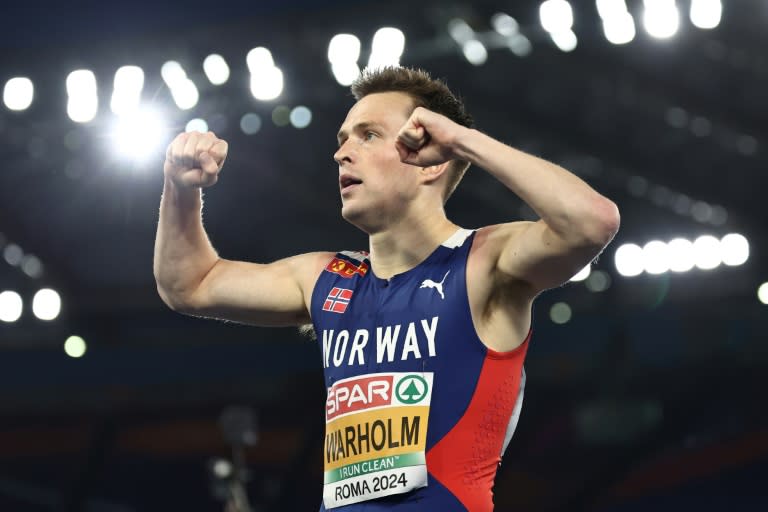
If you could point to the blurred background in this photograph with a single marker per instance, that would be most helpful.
(646, 374)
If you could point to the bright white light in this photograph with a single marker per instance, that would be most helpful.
(460, 30)
(344, 48)
(387, 48)
(268, 84)
(475, 52)
(185, 94)
(661, 18)
(620, 29)
(10, 306)
(706, 14)
(46, 304)
(707, 252)
(196, 125)
(83, 100)
(735, 249)
(629, 260)
(216, 69)
(681, 255)
(504, 24)
(126, 95)
(140, 135)
(172, 73)
(345, 72)
(300, 117)
(582, 274)
(18, 93)
(608, 9)
(762, 293)
(266, 78)
(560, 313)
(656, 257)
(556, 16)
(565, 40)
(259, 59)
(75, 346)
(222, 468)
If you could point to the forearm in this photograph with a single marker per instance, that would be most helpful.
(183, 254)
(571, 208)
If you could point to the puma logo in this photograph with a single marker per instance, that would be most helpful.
(428, 283)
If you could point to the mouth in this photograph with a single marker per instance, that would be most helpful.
(347, 182)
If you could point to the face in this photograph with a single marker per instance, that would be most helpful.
(375, 185)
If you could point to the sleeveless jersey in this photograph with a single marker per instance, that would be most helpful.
(419, 411)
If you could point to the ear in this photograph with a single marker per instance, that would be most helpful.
(433, 173)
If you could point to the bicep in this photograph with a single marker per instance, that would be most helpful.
(272, 294)
(534, 254)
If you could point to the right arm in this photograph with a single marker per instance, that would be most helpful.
(191, 277)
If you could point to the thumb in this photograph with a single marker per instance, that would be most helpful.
(208, 164)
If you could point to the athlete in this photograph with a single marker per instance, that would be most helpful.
(423, 335)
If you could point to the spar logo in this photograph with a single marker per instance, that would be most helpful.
(358, 394)
(412, 389)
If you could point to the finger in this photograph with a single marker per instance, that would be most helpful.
(176, 148)
(414, 138)
(205, 142)
(188, 154)
(219, 151)
(208, 179)
(208, 164)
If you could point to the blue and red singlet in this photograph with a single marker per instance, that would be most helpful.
(419, 411)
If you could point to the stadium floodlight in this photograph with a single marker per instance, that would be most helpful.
(216, 69)
(266, 77)
(618, 24)
(661, 18)
(83, 102)
(343, 54)
(141, 135)
(46, 304)
(505, 24)
(75, 346)
(10, 306)
(681, 255)
(387, 48)
(629, 260)
(18, 93)
(707, 252)
(735, 249)
(706, 14)
(556, 16)
(565, 40)
(475, 52)
(126, 93)
(762, 293)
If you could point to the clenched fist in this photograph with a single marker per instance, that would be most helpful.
(195, 159)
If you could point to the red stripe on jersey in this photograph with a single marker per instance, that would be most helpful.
(466, 459)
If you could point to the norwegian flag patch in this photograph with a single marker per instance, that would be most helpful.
(338, 300)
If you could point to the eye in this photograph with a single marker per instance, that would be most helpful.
(369, 135)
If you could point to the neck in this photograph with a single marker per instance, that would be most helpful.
(404, 245)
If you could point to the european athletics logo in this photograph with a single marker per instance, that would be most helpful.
(338, 300)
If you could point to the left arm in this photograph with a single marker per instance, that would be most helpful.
(576, 222)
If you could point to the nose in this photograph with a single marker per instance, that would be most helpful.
(343, 154)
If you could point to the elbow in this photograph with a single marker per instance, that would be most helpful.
(604, 222)
(178, 302)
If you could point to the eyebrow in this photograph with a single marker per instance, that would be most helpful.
(362, 126)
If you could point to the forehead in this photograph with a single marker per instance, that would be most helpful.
(390, 109)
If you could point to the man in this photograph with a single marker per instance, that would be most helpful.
(423, 338)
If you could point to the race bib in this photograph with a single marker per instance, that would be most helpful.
(375, 436)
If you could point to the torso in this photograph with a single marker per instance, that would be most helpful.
(383, 344)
